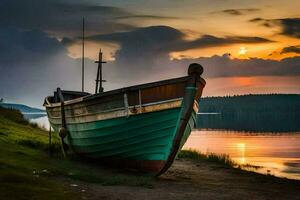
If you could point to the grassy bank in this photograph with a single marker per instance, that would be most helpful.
(221, 159)
(27, 171)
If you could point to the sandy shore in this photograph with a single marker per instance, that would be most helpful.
(195, 180)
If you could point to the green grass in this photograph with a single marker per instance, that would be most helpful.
(13, 115)
(221, 159)
(27, 171)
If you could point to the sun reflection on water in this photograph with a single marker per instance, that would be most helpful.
(241, 147)
(277, 154)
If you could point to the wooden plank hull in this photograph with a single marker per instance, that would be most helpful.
(143, 127)
(142, 141)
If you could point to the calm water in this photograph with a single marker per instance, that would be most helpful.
(277, 154)
(42, 122)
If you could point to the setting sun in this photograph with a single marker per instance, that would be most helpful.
(242, 51)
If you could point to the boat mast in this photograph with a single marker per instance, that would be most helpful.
(82, 70)
(99, 79)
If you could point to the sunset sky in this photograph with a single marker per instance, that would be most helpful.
(245, 46)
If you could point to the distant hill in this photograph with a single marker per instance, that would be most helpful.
(251, 103)
(22, 108)
(270, 112)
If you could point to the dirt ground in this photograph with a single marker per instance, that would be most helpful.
(190, 180)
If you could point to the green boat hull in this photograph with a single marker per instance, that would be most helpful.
(146, 136)
(141, 127)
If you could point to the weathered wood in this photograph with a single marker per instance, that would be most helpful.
(150, 127)
(63, 132)
(132, 92)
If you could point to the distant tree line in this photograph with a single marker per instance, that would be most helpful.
(266, 113)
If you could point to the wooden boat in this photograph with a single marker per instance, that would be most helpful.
(141, 127)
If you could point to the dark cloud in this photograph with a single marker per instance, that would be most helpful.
(158, 17)
(225, 66)
(242, 11)
(164, 39)
(291, 49)
(158, 40)
(32, 65)
(257, 19)
(289, 26)
(16, 44)
(64, 18)
(61, 17)
(147, 49)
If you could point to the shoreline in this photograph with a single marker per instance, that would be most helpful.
(27, 172)
(189, 179)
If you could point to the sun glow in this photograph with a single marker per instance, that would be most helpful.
(92, 49)
(243, 51)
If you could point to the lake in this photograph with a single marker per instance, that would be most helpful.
(276, 153)
(41, 121)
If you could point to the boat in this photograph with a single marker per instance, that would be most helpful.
(141, 127)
